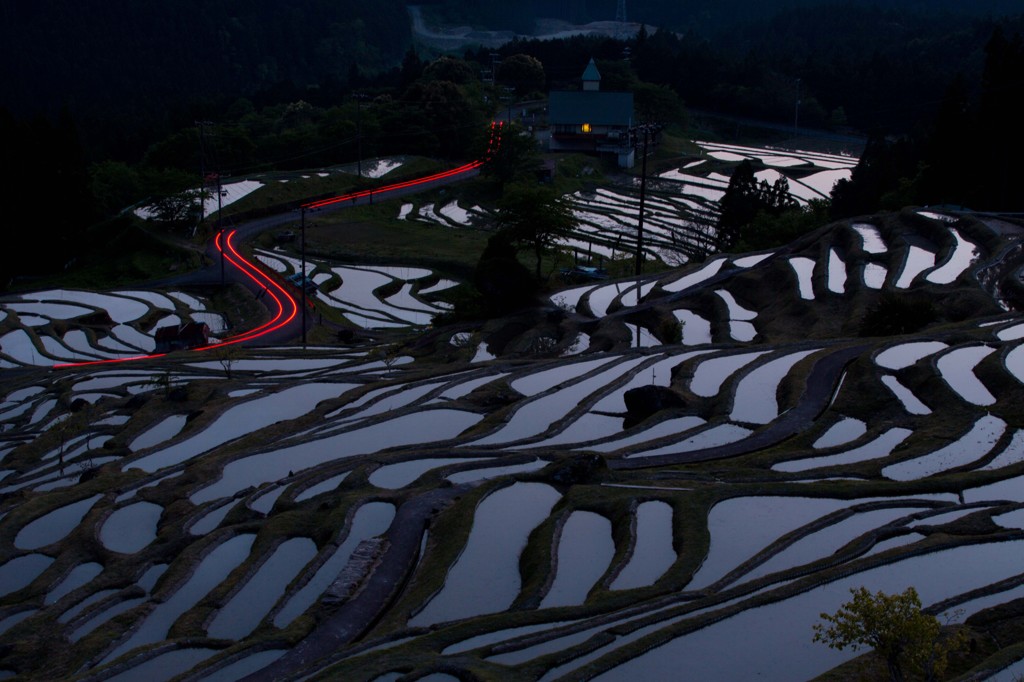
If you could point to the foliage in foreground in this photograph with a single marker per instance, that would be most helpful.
(909, 640)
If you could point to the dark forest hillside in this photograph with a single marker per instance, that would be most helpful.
(119, 61)
(701, 15)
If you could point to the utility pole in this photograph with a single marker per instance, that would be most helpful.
(202, 125)
(303, 280)
(359, 140)
(796, 112)
(220, 230)
(643, 196)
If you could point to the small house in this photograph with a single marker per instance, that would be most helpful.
(182, 336)
(592, 121)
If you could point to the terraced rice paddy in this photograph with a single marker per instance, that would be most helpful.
(327, 514)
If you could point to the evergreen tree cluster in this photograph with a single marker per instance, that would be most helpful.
(969, 157)
(128, 67)
(745, 199)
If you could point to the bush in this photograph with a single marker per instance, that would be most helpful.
(894, 315)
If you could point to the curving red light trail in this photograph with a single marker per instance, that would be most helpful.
(493, 143)
(287, 306)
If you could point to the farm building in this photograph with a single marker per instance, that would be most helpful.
(181, 336)
(591, 121)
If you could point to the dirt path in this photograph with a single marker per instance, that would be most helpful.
(355, 616)
(821, 382)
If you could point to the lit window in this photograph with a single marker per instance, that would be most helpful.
(585, 127)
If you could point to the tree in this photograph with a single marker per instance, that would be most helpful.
(227, 354)
(522, 72)
(658, 104)
(515, 157)
(534, 217)
(739, 205)
(450, 69)
(504, 284)
(908, 639)
(745, 198)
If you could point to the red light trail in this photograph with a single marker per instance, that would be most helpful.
(287, 306)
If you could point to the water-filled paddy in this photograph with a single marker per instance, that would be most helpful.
(485, 578)
(584, 552)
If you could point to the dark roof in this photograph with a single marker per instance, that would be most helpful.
(591, 73)
(596, 108)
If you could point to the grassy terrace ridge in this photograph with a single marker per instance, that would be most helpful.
(248, 433)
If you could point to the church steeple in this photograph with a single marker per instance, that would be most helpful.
(591, 77)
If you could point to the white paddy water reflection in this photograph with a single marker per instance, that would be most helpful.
(493, 472)
(711, 374)
(603, 297)
(265, 502)
(957, 369)
(911, 403)
(538, 382)
(840, 433)
(381, 167)
(836, 273)
(670, 427)
(963, 255)
(21, 571)
(751, 261)
(972, 446)
(54, 525)
(370, 520)
(212, 518)
(19, 347)
(585, 551)
(395, 476)
(653, 553)
(321, 487)
(165, 666)
(734, 539)
(874, 275)
(881, 446)
(587, 428)
(906, 354)
(696, 330)
(418, 427)
(694, 278)
(485, 578)
(787, 653)
(756, 401)
(154, 298)
(804, 269)
(1013, 454)
(1012, 333)
(827, 541)
(918, 260)
(537, 416)
(736, 311)
(242, 420)
(253, 601)
(871, 238)
(79, 575)
(713, 437)
(165, 430)
(132, 528)
(56, 311)
(246, 666)
(210, 573)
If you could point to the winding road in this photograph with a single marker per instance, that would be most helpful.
(286, 323)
